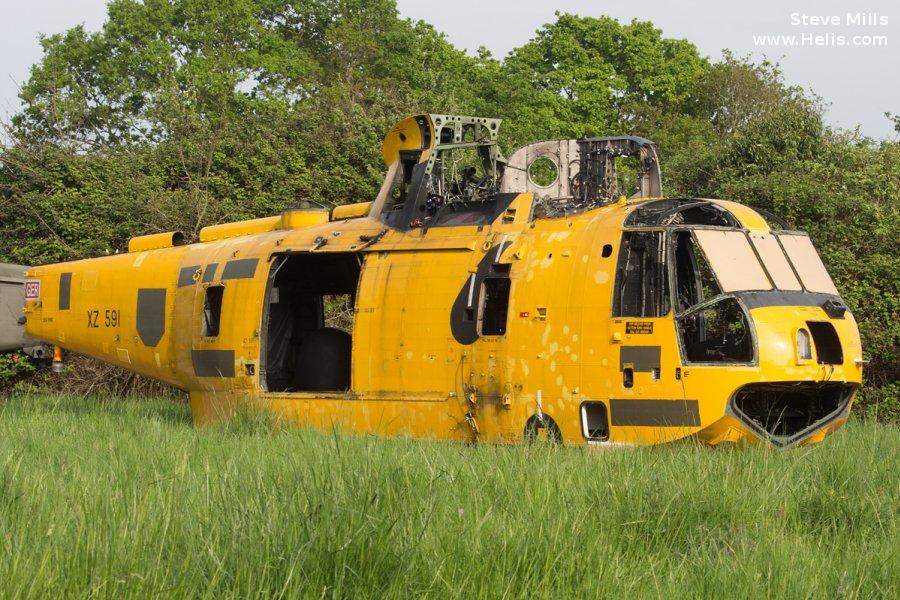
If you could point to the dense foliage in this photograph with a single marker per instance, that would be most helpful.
(182, 113)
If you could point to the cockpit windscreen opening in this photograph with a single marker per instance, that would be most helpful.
(713, 327)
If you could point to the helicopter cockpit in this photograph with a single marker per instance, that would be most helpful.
(691, 257)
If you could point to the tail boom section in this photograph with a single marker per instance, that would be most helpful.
(117, 309)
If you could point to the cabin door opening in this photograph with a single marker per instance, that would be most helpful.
(308, 321)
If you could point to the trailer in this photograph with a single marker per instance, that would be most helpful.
(12, 319)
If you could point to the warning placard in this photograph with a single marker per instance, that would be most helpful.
(639, 327)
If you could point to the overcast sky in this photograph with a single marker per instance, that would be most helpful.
(860, 80)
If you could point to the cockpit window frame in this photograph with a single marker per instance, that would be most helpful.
(666, 295)
(750, 245)
(802, 276)
(679, 315)
(740, 296)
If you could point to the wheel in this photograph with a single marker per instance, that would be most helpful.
(536, 431)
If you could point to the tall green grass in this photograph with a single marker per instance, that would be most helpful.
(120, 499)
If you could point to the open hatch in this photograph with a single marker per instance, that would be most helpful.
(307, 322)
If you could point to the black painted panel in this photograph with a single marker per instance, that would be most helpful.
(642, 358)
(243, 268)
(186, 275)
(782, 298)
(213, 363)
(463, 316)
(209, 273)
(655, 413)
(65, 290)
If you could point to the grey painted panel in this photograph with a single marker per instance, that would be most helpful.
(12, 272)
(65, 290)
(12, 318)
(12, 332)
(243, 268)
(213, 363)
(781, 298)
(655, 413)
(186, 275)
(209, 273)
(151, 315)
(643, 358)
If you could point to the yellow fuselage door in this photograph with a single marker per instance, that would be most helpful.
(646, 399)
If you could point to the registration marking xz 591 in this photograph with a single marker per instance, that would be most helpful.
(109, 318)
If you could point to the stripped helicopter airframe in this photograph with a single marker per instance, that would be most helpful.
(492, 299)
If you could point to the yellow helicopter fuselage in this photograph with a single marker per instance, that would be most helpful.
(609, 325)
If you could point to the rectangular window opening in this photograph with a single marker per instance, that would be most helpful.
(641, 282)
(212, 311)
(628, 377)
(594, 421)
(337, 310)
(694, 279)
(717, 333)
(827, 342)
(495, 305)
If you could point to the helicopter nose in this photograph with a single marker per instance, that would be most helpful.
(807, 376)
(805, 343)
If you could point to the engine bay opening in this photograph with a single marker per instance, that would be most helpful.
(785, 411)
(308, 322)
(569, 176)
(457, 185)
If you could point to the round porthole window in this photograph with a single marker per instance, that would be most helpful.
(543, 172)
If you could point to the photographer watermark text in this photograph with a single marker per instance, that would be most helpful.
(852, 29)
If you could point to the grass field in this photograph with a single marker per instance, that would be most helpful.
(125, 499)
